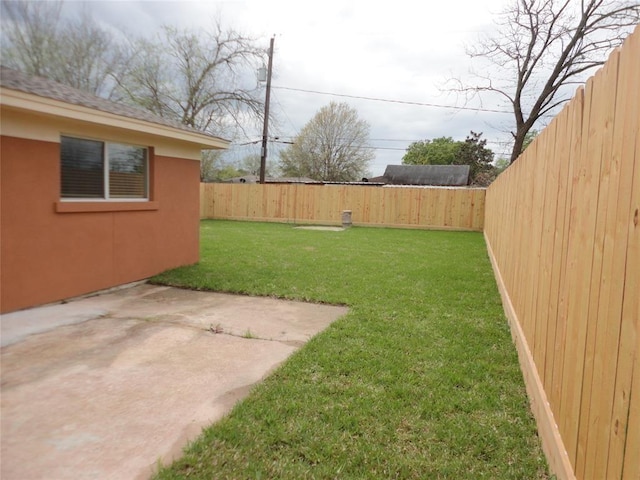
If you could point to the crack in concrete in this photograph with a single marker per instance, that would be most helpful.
(217, 330)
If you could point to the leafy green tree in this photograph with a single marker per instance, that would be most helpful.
(229, 171)
(215, 168)
(439, 151)
(210, 164)
(447, 151)
(333, 146)
(474, 152)
(501, 164)
(251, 165)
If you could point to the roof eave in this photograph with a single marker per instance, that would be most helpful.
(46, 106)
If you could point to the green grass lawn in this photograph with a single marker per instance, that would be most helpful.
(420, 380)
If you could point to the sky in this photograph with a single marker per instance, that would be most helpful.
(403, 51)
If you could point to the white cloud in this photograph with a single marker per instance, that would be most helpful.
(399, 50)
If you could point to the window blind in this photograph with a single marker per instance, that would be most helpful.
(82, 172)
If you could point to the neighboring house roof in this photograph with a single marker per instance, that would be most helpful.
(256, 179)
(440, 175)
(379, 179)
(17, 81)
(292, 180)
(244, 179)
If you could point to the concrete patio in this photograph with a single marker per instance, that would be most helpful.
(106, 386)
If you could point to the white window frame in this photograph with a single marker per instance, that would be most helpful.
(105, 153)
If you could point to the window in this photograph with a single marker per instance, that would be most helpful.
(102, 170)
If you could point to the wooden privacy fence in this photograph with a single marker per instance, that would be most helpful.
(562, 228)
(406, 207)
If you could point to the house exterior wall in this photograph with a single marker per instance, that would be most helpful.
(52, 250)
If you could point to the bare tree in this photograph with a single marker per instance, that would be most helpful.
(332, 146)
(92, 58)
(542, 46)
(202, 79)
(76, 52)
(30, 35)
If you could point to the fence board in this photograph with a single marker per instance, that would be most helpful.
(562, 230)
(625, 421)
(582, 225)
(596, 323)
(555, 342)
(611, 288)
(549, 202)
(446, 208)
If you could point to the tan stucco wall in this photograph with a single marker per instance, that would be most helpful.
(48, 256)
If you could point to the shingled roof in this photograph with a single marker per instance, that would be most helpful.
(15, 80)
(437, 175)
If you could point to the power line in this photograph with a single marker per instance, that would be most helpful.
(285, 142)
(368, 147)
(403, 102)
(404, 140)
(275, 98)
(387, 148)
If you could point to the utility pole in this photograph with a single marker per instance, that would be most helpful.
(265, 130)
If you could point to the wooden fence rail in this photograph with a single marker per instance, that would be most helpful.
(441, 208)
(562, 228)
